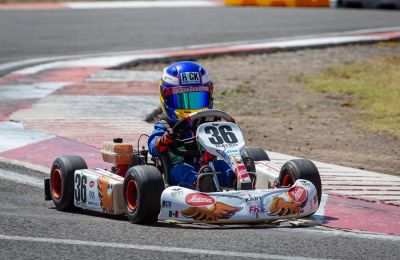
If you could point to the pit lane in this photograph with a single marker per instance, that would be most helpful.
(33, 228)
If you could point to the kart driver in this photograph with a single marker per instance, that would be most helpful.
(185, 88)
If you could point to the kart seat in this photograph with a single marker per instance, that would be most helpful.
(166, 166)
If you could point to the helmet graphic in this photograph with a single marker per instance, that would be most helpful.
(185, 88)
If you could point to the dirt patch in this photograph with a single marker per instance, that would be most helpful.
(276, 111)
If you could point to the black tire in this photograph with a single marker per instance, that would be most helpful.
(142, 190)
(300, 169)
(257, 154)
(62, 180)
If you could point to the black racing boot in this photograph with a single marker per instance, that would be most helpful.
(251, 169)
(205, 180)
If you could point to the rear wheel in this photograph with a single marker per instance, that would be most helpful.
(142, 190)
(62, 180)
(300, 169)
(257, 154)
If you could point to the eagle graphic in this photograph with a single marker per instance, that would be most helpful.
(282, 207)
(105, 194)
(217, 211)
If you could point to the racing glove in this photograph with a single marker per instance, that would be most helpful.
(162, 144)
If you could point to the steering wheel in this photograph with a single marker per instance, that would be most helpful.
(191, 122)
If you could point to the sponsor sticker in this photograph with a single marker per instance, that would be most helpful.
(242, 172)
(231, 151)
(315, 199)
(173, 214)
(94, 204)
(226, 145)
(253, 199)
(305, 183)
(199, 199)
(176, 192)
(298, 194)
(91, 184)
(256, 209)
(177, 189)
(190, 78)
(91, 195)
(166, 204)
(237, 159)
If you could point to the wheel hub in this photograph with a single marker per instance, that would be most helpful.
(56, 183)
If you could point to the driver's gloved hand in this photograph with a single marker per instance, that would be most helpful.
(162, 144)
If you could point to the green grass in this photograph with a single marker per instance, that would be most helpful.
(372, 86)
(235, 91)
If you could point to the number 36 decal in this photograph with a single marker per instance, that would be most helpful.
(221, 134)
(80, 188)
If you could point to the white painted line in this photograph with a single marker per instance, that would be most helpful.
(13, 135)
(161, 249)
(102, 60)
(21, 178)
(124, 76)
(29, 62)
(139, 4)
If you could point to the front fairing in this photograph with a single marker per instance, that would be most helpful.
(186, 205)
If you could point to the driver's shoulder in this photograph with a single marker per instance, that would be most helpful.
(165, 122)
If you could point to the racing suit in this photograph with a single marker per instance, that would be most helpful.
(184, 171)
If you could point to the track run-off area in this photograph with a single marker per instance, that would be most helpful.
(55, 105)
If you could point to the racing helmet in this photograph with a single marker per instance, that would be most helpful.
(185, 88)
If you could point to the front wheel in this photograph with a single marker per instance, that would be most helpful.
(300, 169)
(257, 154)
(142, 190)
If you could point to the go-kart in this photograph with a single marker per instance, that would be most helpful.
(139, 187)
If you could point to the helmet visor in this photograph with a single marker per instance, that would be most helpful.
(189, 100)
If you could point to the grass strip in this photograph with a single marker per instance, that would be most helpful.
(373, 86)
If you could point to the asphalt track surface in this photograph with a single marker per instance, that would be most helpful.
(37, 34)
(32, 228)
